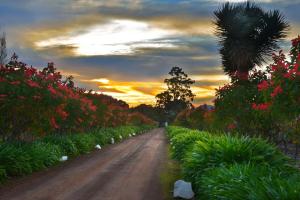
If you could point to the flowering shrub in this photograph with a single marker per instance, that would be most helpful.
(281, 96)
(234, 104)
(39, 102)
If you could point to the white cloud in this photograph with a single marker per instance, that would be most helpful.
(117, 37)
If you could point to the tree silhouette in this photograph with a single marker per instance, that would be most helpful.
(178, 96)
(247, 35)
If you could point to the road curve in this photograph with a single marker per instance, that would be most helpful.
(126, 171)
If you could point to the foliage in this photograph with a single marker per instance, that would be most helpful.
(38, 103)
(281, 92)
(233, 167)
(225, 150)
(178, 96)
(247, 34)
(248, 181)
(196, 118)
(183, 143)
(21, 158)
(3, 174)
(233, 106)
(151, 112)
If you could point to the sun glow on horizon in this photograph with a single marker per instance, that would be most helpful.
(135, 93)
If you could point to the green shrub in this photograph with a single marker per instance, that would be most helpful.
(67, 146)
(84, 142)
(182, 143)
(226, 150)
(42, 155)
(175, 130)
(234, 167)
(17, 158)
(3, 174)
(14, 160)
(248, 181)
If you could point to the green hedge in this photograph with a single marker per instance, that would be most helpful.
(21, 158)
(233, 167)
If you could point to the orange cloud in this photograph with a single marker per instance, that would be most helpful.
(135, 93)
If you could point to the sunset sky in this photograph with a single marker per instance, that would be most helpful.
(125, 48)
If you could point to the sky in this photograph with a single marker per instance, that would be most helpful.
(125, 48)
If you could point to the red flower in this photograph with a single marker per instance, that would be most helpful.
(276, 91)
(263, 85)
(3, 95)
(33, 84)
(262, 106)
(15, 83)
(93, 107)
(231, 126)
(53, 123)
(2, 79)
(296, 41)
(30, 72)
(63, 114)
(52, 90)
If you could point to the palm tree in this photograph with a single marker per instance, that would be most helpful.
(247, 35)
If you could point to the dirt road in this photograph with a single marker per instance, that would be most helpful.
(126, 171)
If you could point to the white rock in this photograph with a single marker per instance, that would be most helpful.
(120, 136)
(129, 135)
(183, 190)
(98, 146)
(63, 158)
(112, 140)
(133, 134)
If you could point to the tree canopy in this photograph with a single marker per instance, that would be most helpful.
(247, 35)
(178, 96)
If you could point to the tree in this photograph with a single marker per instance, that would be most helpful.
(3, 53)
(178, 96)
(247, 36)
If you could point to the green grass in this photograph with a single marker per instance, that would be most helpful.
(171, 173)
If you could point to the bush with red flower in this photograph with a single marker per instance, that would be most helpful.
(234, 105)
(38, 102)
(281, 91)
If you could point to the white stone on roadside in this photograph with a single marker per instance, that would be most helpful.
(133, 134)
(63, 158)
(98, 146)
(112, 140)
(120, 136)
(183, 190)
(129, 135)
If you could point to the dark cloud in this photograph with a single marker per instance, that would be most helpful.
(195, 47)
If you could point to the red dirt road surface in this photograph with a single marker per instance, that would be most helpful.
(126, 171)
